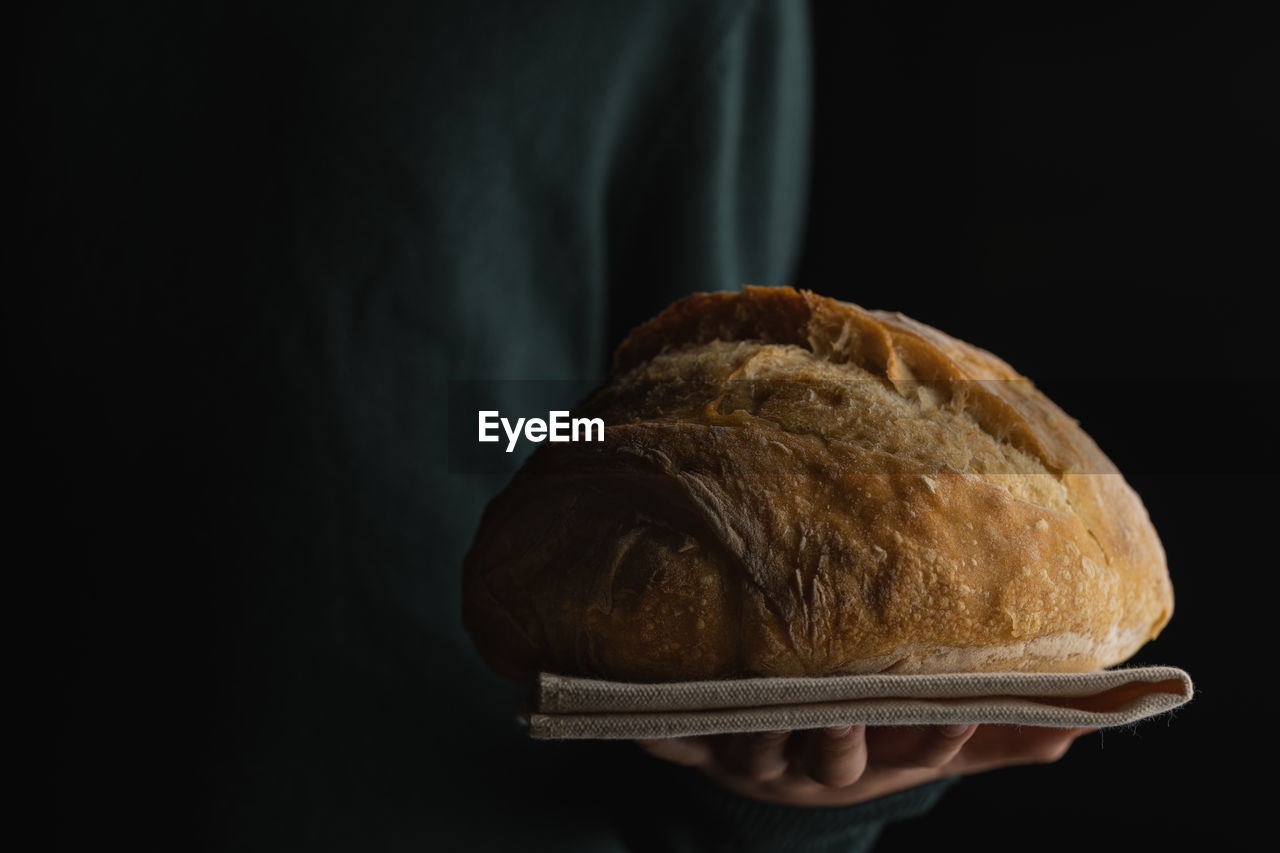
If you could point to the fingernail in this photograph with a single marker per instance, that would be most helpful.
(954, 730)
(839, 732)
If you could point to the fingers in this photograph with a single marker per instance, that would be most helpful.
(835, 757)
(760, 756)
(872, 760)
(917, 746)
(1006, 746)
(688, 751)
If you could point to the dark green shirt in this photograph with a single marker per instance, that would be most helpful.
(270, 235)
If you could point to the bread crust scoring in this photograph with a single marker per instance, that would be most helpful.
(791, 485)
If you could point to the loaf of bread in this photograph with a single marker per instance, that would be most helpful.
(791, 485)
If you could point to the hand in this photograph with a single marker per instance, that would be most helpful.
(835, 767)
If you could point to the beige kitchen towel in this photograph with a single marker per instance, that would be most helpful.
(585, 708)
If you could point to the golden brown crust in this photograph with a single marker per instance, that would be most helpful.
(791, 485)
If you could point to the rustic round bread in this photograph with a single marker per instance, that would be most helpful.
(791, 485)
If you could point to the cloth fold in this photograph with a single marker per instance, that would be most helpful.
(582, 708)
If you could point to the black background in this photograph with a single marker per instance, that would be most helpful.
(1088, 191)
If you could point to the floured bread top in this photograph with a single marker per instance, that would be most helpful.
(791, 485)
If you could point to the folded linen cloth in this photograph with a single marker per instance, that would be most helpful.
(584, 708)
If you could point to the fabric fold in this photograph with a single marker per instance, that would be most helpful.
(582, 708)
